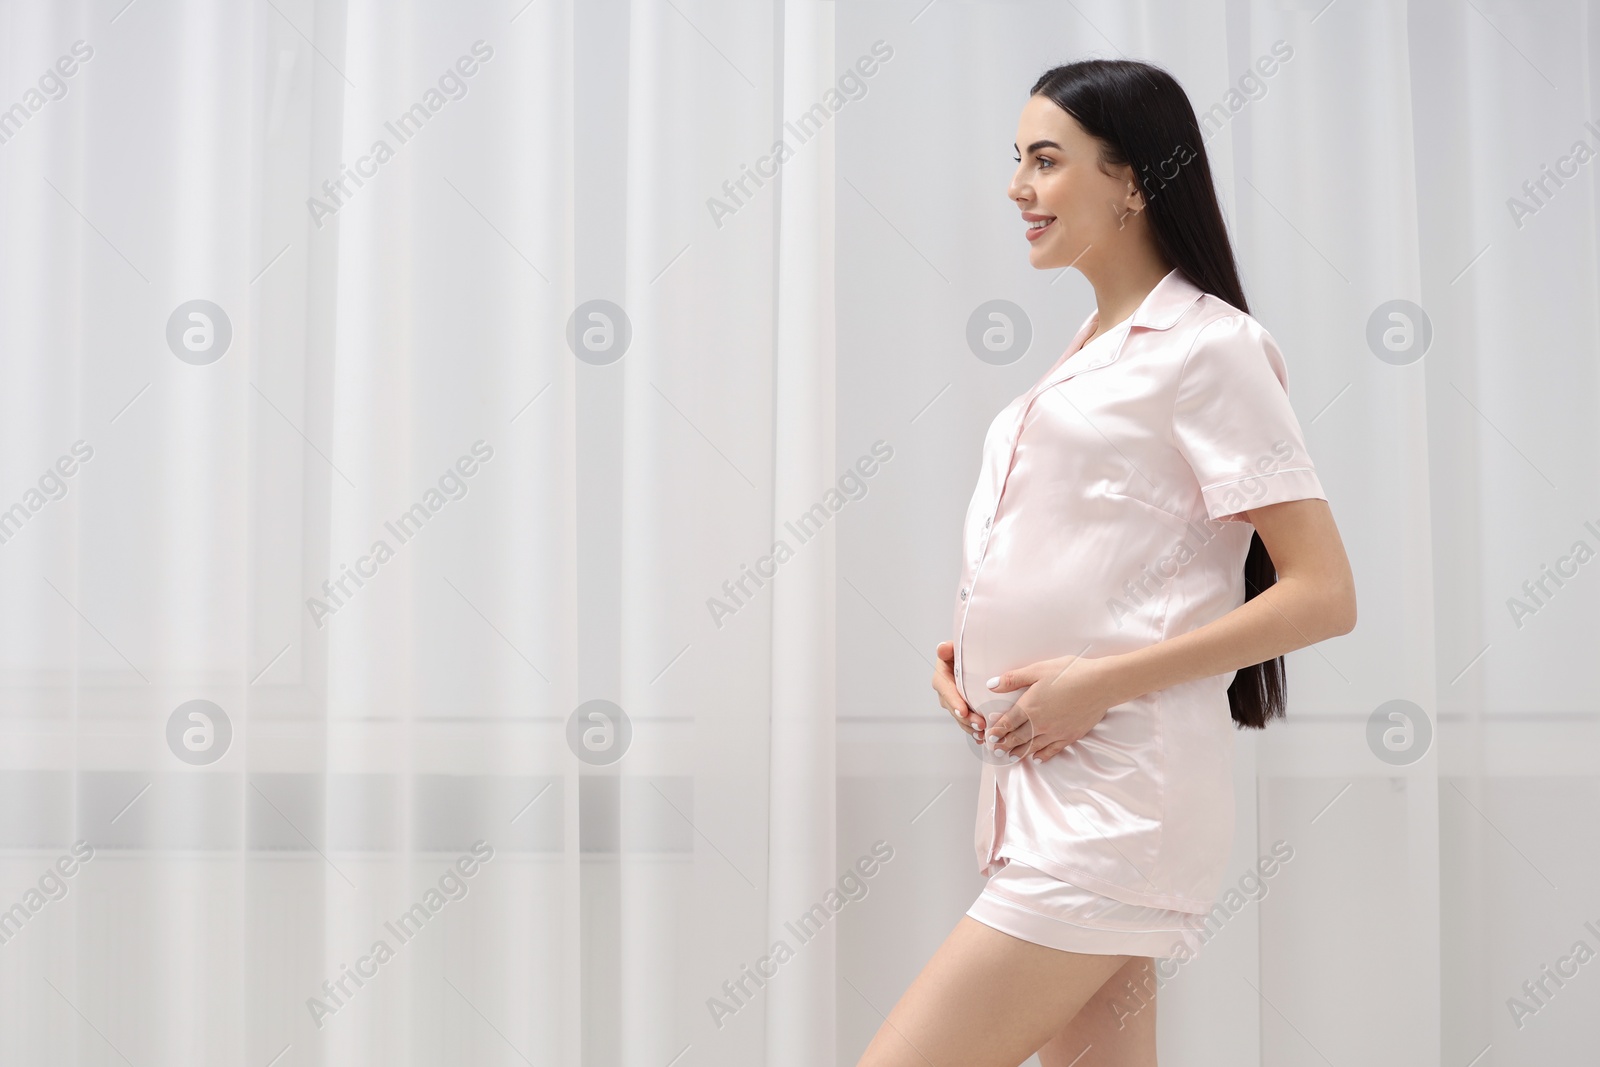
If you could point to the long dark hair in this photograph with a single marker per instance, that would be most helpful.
(1142, 118)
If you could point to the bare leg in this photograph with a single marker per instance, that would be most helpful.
(986, 999)
(1116, 1028)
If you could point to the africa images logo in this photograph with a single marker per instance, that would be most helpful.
(452, 85)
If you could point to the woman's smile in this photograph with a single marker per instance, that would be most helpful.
(1037, 224)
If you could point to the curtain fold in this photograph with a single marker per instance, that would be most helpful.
(802, 855)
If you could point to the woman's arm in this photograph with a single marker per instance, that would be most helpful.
(1313, 599)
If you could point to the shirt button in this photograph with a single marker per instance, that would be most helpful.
(987, 521)
(963, 594)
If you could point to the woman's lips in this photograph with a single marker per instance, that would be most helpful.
(1035, 232)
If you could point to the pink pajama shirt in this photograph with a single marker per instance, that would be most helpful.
(1108, 516)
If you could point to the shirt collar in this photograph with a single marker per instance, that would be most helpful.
(1166, 303)
(1161, 307)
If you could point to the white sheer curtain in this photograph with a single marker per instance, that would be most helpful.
(495, 547)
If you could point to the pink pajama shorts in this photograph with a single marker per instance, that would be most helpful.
(1028, 903)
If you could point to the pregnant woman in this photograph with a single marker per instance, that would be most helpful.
(1147, 538)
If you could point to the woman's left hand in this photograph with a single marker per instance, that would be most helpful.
(1065, 697)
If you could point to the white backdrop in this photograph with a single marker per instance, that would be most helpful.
(339, 483)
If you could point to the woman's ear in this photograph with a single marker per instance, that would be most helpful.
(1134, 202)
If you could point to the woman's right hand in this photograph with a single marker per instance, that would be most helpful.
(944, 683)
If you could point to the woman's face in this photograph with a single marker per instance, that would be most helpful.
(1059, 177)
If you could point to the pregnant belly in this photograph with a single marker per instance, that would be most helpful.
(995, 640)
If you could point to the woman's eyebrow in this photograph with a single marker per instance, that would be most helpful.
(1035, 146)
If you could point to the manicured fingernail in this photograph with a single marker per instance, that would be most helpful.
(994, 681)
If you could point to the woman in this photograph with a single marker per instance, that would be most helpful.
(1147, 538)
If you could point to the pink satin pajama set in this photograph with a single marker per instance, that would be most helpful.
(1109, 516)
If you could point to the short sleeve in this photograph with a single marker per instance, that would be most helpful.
(1233, 423)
